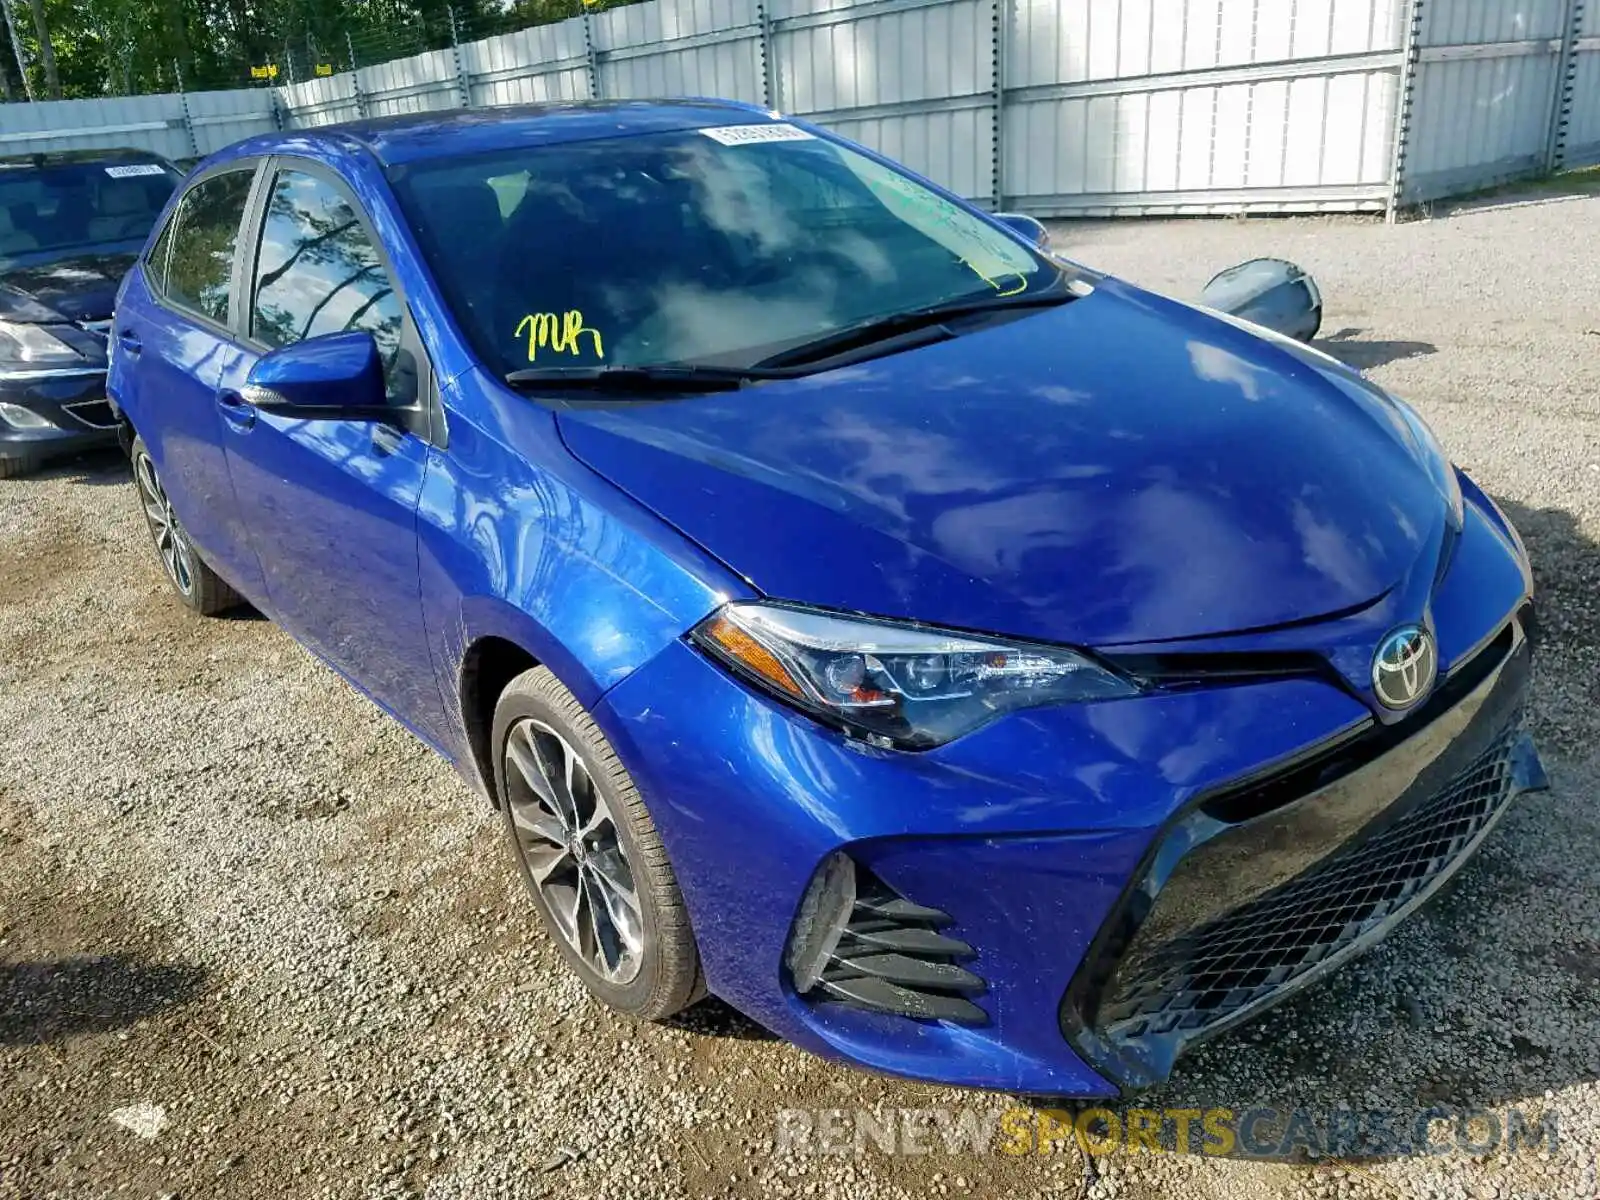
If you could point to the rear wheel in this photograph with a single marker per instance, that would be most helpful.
(10, 468)
(589, 853)
(198, 586)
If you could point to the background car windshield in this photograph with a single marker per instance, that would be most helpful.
(80, 204)
(698, 246)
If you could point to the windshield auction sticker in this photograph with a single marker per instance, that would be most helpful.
(133, 169)
(750, 135)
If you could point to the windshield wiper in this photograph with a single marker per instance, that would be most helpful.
(644, 379)
(881, 329)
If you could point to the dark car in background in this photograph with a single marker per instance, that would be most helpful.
(71, 223)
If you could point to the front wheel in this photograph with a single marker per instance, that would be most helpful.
(198, 586)
(589, 853)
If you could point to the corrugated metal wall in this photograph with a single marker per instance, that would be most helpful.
(322, 101)
(421, 83)
(913, 79)
(219, 119)
(1142, 106)
(177, 126)
(685, 48)
(1056, 107)
(1484, 94)
(537, 65)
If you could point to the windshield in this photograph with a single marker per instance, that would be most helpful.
(79, 204)
(710, 246)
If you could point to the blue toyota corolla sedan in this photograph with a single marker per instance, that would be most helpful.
(964, 663)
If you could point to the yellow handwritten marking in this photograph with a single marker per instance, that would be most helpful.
(558, 333)
(1022, 282)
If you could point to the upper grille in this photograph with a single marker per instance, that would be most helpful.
(1199, 980)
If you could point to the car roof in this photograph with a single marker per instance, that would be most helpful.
(411, 137)
(59, 158)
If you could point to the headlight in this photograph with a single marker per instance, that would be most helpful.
(33, 346)
(905, 685)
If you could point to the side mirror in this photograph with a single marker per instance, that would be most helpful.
(1268, 292)
(1034, 231)
(338, 377)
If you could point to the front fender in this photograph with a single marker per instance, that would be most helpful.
(522, 543)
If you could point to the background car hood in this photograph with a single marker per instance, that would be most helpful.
(75, 287)
(1121, 469)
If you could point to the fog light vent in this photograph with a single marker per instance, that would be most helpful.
(859, 942)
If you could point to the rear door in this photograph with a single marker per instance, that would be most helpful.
(170, 346)
(332, 505)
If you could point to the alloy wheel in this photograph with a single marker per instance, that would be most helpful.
(164, 528)
(567, 837)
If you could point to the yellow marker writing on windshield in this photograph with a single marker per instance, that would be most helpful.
(1010, 290)
(558, 333)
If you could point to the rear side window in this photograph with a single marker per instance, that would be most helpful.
(318, 272)
(204, 235)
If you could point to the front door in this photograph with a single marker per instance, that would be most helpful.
(331, 506)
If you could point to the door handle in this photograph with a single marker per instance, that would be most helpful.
(236, 410)
(129, 341)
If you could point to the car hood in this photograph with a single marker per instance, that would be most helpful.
(76, 287)
(1117, 470)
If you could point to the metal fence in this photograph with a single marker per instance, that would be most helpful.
(178, 125)
(1055, 107)
(1486, 93)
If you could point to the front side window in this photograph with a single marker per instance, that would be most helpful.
(318, 272)
(204, 238)
(717, 246)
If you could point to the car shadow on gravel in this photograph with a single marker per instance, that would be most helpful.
(715, 1018)
(95, 468)
(48, 1001)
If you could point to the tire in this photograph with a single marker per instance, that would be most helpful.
(198, 586)
(537, 722)
(10, 468)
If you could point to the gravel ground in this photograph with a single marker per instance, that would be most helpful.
(255, 941)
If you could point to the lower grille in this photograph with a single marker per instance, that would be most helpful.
(1234, 963)
(859, 943)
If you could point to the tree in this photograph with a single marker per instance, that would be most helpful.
(125, 47)
(16, 47)
(47, 53)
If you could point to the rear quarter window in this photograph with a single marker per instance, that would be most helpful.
(155, 261)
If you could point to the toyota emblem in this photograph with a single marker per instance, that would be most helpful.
(1404, 667)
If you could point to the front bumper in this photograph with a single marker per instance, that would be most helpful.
(69, 412)
(1258, 890)
(1050, 838)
